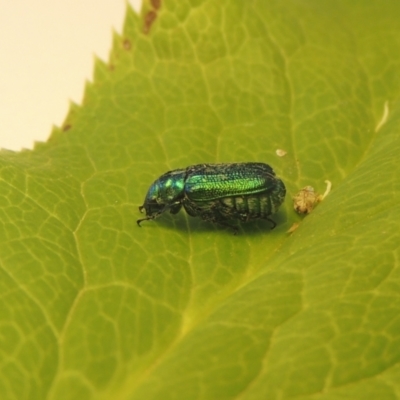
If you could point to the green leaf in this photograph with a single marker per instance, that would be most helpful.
(94, 307)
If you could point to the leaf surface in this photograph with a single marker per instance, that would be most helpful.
(94, 307)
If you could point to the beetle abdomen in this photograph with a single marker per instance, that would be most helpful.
(247, 207)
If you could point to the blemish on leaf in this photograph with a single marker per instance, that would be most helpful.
(149, 20)
(127, 44)
(66, 127)
(156, 4)
(384, 116)
(280, 152)
(293, 227)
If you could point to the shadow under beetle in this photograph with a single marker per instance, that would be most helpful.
(218, 193)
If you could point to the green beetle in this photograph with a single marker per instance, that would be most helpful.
(218, 193)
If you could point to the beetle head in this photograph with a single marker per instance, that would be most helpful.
(166, 193)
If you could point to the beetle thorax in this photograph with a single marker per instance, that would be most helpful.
(170, 190)
(169, 187)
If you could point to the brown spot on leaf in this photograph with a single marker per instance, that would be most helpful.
(127, 44)
(148, 21)
(156, 4)
(66, 127)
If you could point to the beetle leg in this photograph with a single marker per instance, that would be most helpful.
(174, 208)
(272, 222)
(217, 218)
(226, 225)
(139, 221)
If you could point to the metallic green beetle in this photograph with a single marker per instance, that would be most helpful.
(218, 193)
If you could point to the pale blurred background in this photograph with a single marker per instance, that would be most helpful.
(47, 50)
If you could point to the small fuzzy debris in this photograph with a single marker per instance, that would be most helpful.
(293, 227)
(280, 152)
(328, 189)
(307, 198)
